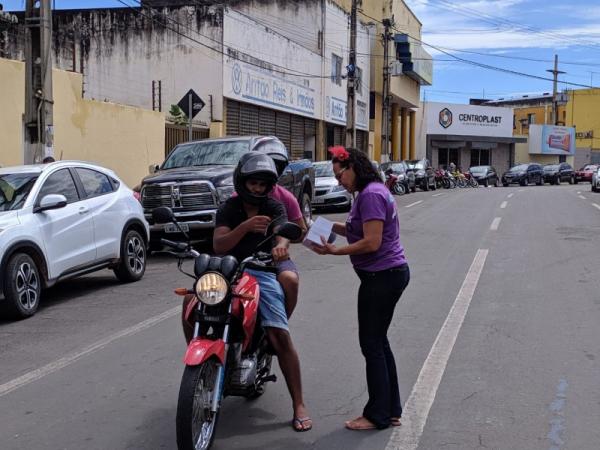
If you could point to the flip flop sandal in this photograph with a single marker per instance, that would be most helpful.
(298, 424)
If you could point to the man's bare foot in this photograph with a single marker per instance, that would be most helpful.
(360, 423)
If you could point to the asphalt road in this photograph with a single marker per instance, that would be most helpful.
(516, 365)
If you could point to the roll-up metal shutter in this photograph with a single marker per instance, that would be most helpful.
(249, 119)
(233, 118)
(283, 129)
(338, 136)
(297, 148)
(362, 138)
(267, 124)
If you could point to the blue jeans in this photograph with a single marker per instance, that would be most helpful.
(377, 297)
(271, 306)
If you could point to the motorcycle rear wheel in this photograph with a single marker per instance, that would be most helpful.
(398, 189)
(196, 423)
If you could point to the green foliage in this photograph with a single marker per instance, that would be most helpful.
(177, 115)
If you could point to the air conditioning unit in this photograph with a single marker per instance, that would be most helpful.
(396, 69)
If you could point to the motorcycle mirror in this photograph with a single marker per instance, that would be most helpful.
(289, 231)
(162, 214)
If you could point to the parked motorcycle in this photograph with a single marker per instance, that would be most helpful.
(229, 352)
(393, 183)
(471, 181)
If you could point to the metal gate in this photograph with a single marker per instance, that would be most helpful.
(176, 134)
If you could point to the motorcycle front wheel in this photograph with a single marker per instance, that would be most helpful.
(398, 189)
(196, 423)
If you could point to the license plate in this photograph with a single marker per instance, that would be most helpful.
(171, 228)
(318, 200)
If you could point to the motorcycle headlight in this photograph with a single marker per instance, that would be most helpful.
(225, 192)
(211, 288)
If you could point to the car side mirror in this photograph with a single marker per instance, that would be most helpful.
(163, 214)
(51, 201)
(153, 168)
(289, 231)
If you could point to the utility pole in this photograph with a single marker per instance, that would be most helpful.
(385, 127)
(39, 129)
(555, 72)
(351, 100)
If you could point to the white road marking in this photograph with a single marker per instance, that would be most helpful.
(495, 223)
(595, 205)
(579, 192)
(503, 205)
(521, 190)
(413, 204)
(510, 195)
(437, 195)
(582, 197)
(416, 409)
(65, 361)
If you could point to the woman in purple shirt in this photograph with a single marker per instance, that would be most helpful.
(374, 247)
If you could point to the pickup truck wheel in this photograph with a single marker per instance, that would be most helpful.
(133, 258)
(306, 208)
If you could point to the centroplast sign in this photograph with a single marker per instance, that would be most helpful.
(468, 120)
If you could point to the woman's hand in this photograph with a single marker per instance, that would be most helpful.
(325, 249)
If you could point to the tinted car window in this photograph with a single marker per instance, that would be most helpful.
(60, 182)
(94, 183)
(14, 189)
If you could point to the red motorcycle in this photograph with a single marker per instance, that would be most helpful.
(392, 183)
(229, 352)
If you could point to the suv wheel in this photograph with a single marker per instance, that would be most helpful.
(133, 258)
(306, 208)
(22, 286)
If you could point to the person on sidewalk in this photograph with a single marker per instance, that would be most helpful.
(375, 250)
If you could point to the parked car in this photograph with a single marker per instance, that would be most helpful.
(596, 180)
(328, 192)
(61, 220)
(555, 173)
(524, 174)
(485, 175)
(405, 176)
(424, 173)
(586, 172)
(197, 177)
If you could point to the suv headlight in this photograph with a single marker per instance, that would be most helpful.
(211, 288)
(225, 192)
(338, 188)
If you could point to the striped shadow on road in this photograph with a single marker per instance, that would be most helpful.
(416, 409)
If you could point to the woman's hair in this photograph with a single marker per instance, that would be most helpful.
(363, 168)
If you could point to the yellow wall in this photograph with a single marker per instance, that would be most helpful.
(583, 112)
(522, 156)
(543, 115)
(122, 138)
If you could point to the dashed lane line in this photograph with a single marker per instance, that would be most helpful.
(495, 224)
(595, 205)
(437, 195)
(417, 407)
(503, 205)
(582, 197)
(413, 204)
(510, 195)
(67, 360)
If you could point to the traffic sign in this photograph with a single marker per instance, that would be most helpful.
(197, 104)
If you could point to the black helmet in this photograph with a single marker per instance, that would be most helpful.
(257, 166)
(275, 149)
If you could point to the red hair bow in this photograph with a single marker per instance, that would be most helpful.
(339, 153)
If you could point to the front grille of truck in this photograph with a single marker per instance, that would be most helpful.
(179, 196)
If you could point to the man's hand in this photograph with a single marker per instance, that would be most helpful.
(280, 253)
(257, 224)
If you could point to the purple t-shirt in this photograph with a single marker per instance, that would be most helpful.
(375, 202)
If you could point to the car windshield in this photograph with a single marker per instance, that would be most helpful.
(396, 167)
(14, 189)
(589, 167)
(478, 169)
(323, 170)
(208, 153)
(419, 165)
(550, 168)
(519, 168)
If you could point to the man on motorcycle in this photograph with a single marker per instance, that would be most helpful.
(287, 273)
(242, 223)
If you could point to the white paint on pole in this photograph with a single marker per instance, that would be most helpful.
(422, 396)
(67, 360)
(495, 224)
(503, 205)
(413, 204)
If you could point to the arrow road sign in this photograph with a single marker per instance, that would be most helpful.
(197, 104)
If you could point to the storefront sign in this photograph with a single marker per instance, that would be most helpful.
(335, 111)
(551, 140)
(585, 134)
(468, 120)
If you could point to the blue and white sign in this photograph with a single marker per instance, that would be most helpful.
(551, 140)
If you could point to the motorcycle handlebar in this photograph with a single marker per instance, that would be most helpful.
(181, 247)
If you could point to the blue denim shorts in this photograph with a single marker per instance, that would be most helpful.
(271, 306)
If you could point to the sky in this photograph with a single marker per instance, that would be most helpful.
(508, 35)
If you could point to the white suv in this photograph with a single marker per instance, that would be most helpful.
(61, 220)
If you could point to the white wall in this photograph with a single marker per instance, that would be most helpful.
(337, 40)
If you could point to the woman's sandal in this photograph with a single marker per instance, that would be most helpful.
(301, 424)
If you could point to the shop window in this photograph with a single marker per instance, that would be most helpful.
(371, 105)
(481, 157)
(531, 118)
(336, 69)
(447, 156)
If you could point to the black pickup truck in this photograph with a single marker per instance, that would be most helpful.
(198, 176)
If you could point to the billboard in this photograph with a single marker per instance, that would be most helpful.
(551, 140)
(468, 120)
